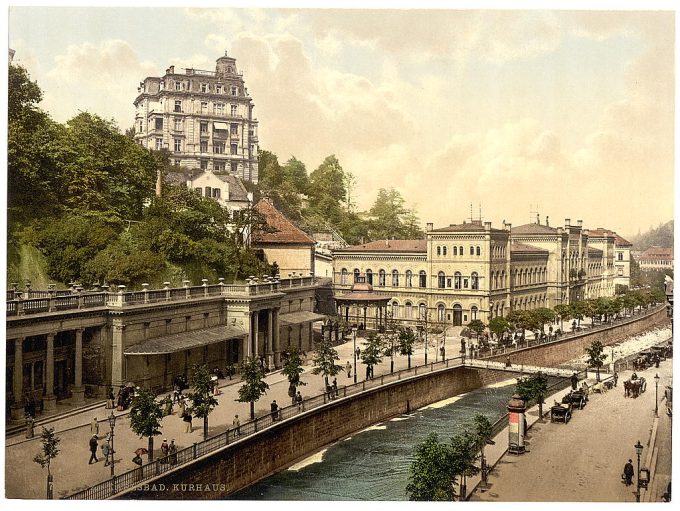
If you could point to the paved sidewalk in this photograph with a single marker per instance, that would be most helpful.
(583, 460)
(25, 479)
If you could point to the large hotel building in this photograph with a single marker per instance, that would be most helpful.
(472, 271)
(203, 118)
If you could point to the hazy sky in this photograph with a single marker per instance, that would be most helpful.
(570, 113)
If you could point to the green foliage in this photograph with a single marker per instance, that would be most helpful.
(596, 355)
(202, 399)
(391, 219)
(543, 315)
(146, 414)
(520, 319)
(532, 388)
(564, 311)
(661, 236)
(292, 368)
(49, 449)
(431, 474)
(373, 350)
(499, 325)
(477, 326)
(254, 386)
(407, 338)
(324, 360)
(482, 429)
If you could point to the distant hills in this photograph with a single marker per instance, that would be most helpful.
(662, 236)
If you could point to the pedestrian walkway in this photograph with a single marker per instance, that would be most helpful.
(71, 470)
(582, 460)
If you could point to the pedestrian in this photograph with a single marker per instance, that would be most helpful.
(165, 449)
(182, 407)
(106, 449)
(168, 405)
(368, 372)
(237, 425)
(628, 472)
(93, 449)
(507, 362)
(298, 400)
(30, 433)
(348, 369)
(94, 427)
(176, 397)
(109, 398)
(574, 381)
(616, 378)
(172, 451)
(275, 410)
(187, 422)
(335, 387)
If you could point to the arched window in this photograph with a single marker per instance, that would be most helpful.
(439, 251)
(381, 278)
(422, 278)
(409, 278)
(443, 250)
(408, 310)
(422, 311)
(369, 276)
(343, 276)
(395, 309)
(472, 250)
(441, 280)
(479, 251)
(395, 278)
(455, 250)
(441, 315)
(461, 251)
(474, 278)
(473, 312)
(356, 274)
(457, 280)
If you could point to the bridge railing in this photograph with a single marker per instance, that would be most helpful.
(51, 301)
(132, 478)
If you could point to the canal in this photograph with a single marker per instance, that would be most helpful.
(373, 464)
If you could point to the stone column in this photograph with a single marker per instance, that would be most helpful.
(256, 326)
(18, 380)
(49, 399)
(117, 350)
(311, 337)
(277, 344)
(270, 339)
(78, 391)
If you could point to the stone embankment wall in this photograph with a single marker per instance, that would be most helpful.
(245, 462)
(558, 352)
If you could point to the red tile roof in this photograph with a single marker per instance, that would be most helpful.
(284, 231)
(622, 242)
(388, 246)
(657, 253)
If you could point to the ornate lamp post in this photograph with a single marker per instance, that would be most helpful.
(112, 424)
(638, 450)
(354, 337)
(656, 395)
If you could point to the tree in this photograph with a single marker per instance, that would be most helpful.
(292, 369)
(482, 430)
(407, 339)
(431, 474)
(295, 173)
(324, 360)
(520, 319)
(390, 216)
(464, 449)
(565, 312)
(499, 325)
(477, 326)
(203, 401)
(533, 388)
(49, 450)
(146, 416)
(254, 386)
(596, 356)
(371, 355)
(543, 315)
(327, 192)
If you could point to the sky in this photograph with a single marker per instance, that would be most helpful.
(566, 113)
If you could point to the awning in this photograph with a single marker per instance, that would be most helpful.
(296, 318)
(220, 126)
(186, 340)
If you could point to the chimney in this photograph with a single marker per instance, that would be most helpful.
(579, 223)
(430, 226)
(487, 226)
(560, 230)
(547, 220)
(567, 223)
(171, 70)
(508, 226)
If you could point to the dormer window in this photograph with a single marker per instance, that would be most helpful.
(233, 90)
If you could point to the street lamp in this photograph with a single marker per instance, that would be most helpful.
(354, 337)
(656, 395)
(112, 424)
(638, 450)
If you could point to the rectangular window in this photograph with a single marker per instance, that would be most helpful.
(234, 129)
(158, 123)
(208, 191)
(218, 165)
(204, 128)
(204, 163)
(216, 193)
(219, 108)
(178, 105)
(204, 107)
(204, 87)
(178, 85)
(218, 147)
(234, 148)
(234, 110)
(159, 143)
(620, 256)
(204, 146)
(218, 89)
(178, 144)
(234, 167)
(179, 124)
(234, 90)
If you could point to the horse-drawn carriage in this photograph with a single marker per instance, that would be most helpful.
(560, 412)
(635, 386)
(577, 398)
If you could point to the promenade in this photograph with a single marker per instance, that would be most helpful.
(583, 460)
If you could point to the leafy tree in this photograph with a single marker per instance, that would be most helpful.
(295, 173)
(432, 472)
(565, 312)
(464, 449)
(371, 355)
(477, 326)
(407, 338)
(327, 192)
(520, 319)
(254, 386)
(543, 315)
(482, 430)
(203, 401)
(533, 388)
(499, 325)
(292, 369)
(49, 450)
(146, 416)
(588, 308)
(389, 216)
(324, 360)
(596, 356)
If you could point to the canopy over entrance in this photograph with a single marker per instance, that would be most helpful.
(186, 340)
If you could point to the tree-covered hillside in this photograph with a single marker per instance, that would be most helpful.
(662, 236)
